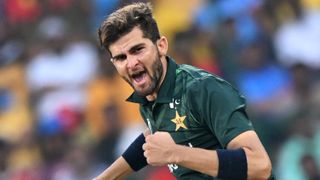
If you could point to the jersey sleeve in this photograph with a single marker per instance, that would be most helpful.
(220, 107)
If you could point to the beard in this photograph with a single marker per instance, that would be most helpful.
(157, 70)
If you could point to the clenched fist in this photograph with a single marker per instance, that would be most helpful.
(159, 149)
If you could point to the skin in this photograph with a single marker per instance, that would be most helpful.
(133, 54)
(206, 161)
(160, 149)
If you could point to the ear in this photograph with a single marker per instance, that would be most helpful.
(162, 44)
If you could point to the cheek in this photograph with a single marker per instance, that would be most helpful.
(122, 71)
(149, 63)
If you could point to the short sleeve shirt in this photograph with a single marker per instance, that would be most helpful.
(198, 109)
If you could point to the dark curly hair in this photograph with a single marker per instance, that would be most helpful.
(122, 21)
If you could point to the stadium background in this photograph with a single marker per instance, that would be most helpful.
(62, 110)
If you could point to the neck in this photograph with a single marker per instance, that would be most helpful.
(153, 96)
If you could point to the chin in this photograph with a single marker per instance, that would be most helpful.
(143, 93)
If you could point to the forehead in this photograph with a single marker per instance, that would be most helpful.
(123, 44)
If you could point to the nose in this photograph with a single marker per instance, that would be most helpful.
(132, 61)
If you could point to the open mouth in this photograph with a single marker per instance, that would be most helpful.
(138, 77)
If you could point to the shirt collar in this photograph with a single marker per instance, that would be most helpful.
(166, 91)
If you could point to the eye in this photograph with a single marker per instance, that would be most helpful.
(137, 50)
(119, 58)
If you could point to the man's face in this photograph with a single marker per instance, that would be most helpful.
(137, 60)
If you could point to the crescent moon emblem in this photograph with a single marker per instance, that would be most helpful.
(177, 101)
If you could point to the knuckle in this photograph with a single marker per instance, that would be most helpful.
(148, 138)
(148, 161)
(146, 154)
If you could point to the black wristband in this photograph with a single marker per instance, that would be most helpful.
(134, 154)
(232, 164)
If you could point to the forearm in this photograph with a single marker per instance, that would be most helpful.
(244, 158)
(131, 160)
(207, 162)
(202, 160)
(118, 170)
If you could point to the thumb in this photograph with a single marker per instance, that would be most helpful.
(147, 132)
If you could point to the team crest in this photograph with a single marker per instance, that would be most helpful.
(179, 121)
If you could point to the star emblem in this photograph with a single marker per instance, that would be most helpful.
(178, 120)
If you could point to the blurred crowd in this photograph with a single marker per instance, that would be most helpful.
(63, 114)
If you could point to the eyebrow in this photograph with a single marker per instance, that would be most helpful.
(130, 50)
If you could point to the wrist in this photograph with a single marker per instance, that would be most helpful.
(134, 154)
(176, 154)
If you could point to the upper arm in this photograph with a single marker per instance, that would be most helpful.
(257, 158)
(221, 107)
(248, 139)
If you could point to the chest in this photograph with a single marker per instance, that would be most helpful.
(179, 121)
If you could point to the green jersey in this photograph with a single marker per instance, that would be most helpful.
(198, 109)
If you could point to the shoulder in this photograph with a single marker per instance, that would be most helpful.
(199, 79)
(192, 72)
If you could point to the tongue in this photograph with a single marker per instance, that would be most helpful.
(139, 78)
